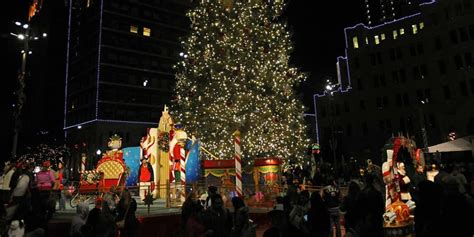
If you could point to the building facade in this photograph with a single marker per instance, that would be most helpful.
(382, 11)
(119, 70)
(413, 76)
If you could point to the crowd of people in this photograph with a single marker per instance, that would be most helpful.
(29, 198)
(113, 215)
(444, 207)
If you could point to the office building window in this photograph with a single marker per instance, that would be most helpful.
(372, 59)
(416, 73)
(432, 121)
(420, 49)
(376, 81)
(146, 31)
(365, 129)
(463, 34)
(471, 32)
(468, 60)
(392, 54)
(412, 50)
(133, 29)
(471, 82)
(385, 101)
(463, 87)
(378, 103)
(406, 99)
(395, 34)
(422, 25)
(349, 129)
(446, 92)
(458, 62)
(383, 83)
(382, 36)
(453, 36)
(398, 100)
(428, 97)
(399, 53)
(441, 67)
(356, 62)
(366, 40)
(355, 42)
(395, 78)
(414, 29)
(346, 107)
(438, 43)
(377, 39)
(362, 105)
(403, 76)
(360, 86)
(423, 71)
(402, 31)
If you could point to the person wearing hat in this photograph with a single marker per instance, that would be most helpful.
(19, 185)
(45, 178)
(6, 178)
(145, 178)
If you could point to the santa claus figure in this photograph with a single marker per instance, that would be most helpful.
(145, 177)
(404, 182)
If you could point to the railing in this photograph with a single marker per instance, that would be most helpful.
(261, 196)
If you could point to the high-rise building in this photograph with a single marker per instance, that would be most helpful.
(413, 76)
(119, 70)
(382, 11)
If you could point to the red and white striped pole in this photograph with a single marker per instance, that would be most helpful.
(182, 154)
(238, 164)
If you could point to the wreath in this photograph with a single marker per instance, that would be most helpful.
(164, 141)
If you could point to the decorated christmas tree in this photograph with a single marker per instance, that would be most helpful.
(234, 75)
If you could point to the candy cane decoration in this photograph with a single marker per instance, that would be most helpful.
(238, 164)
(182, 153)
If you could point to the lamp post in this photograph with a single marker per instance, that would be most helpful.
(25, 37)
(421, 115)
(329, 90)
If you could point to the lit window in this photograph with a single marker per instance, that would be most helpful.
(422, 25)
(133, 29)
(355, 42)
(146, 31)
(366, 40)
(395, 34)
(382, 36)
(377, 40)
(402, 31)
(414, 29)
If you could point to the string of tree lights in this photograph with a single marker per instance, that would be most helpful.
(234, 75)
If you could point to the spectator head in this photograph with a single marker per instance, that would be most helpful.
(304, 197)
(277, 216)
(212, 190)
(419, 168)
(237, 203)
(353, 188)
(216, 202)
(82, 210)
(99, 202)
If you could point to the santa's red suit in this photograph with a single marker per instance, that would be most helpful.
(146, 178)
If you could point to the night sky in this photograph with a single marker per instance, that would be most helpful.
(318, 37)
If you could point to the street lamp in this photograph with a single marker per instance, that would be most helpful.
(329, 89)
(421, 115)
(26, 35)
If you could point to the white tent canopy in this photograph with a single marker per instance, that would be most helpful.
(460, 144)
